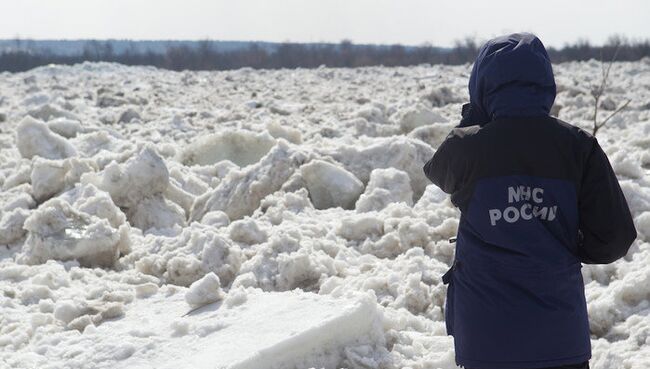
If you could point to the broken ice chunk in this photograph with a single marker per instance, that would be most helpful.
(330, 185)
(34, 138)
(204, 291)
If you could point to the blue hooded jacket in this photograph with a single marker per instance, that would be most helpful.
(512, 77)
(537, 197)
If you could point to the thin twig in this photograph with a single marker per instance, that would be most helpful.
(616, 112)
(597, 93)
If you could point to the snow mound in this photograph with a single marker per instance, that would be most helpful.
(240, 192)
(386, 186)
(431, 199)
(13, 197)
(627, 164)
(375, 114)
(400, 153)
(290, 134)
(629, 292)
(51, 177)
(240, 147)
(141, 176)
(260, 331)
(418, 116)
(204, 291)
(47, 178)
(11, 225)
(441, 96)
(637, 196)
(246, 231)
(283, 264)
(89, 199)
(82, 225)
(48, 112)
(137, 186)
(187, 257)
(361, 227)
(14, 210)
(34, 138)
(216, 219)
(157, 212)
(65, 127)
(129, 115)
(433, 134)
(330, 186)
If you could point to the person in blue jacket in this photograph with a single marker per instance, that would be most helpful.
(538, 197)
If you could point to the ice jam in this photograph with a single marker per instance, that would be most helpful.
(532, 198)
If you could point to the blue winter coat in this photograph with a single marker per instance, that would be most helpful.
(537, 197)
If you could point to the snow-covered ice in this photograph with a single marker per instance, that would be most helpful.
(385, 186)
(291, 202)
(330, 186)
(204, 291)
(34, 138)
(246, 331)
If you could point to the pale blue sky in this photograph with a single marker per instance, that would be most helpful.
(363, 21)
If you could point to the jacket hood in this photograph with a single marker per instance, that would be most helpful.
(512, 77)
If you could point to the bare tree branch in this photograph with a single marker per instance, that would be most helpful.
(619, 109)
(597, 92)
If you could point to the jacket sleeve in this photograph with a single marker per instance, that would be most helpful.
(606, 227)
(445, 169)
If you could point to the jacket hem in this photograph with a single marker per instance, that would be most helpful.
(479, 364)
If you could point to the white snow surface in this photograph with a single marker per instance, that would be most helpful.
(291, 202)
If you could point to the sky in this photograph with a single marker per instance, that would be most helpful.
(410, 22)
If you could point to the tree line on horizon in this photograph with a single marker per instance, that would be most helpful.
(206, 56)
